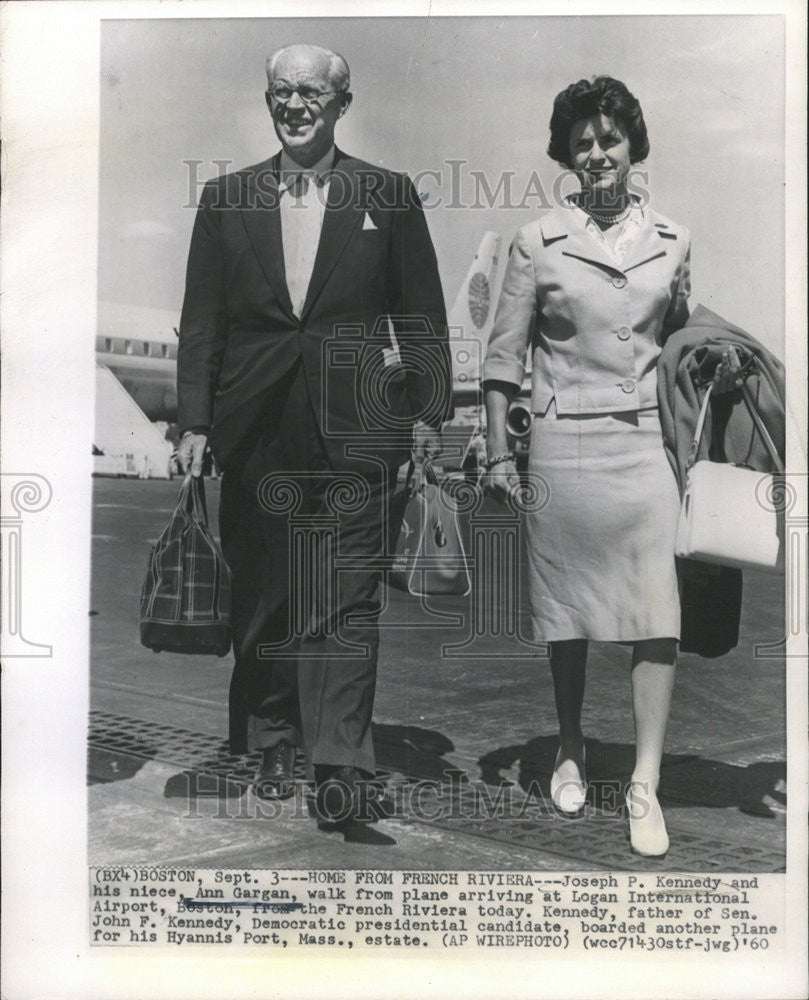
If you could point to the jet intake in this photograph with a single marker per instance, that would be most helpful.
(518, 421)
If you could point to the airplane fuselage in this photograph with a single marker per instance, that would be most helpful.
(147, 369)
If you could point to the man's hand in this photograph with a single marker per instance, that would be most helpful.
(426, 442)
(191, 451)
(426, 445)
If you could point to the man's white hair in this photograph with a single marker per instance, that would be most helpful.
(339, 73)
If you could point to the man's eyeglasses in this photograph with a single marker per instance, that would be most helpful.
(309, 95)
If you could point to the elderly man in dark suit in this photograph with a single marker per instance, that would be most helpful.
(299, 269)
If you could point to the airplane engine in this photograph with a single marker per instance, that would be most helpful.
(518, 421)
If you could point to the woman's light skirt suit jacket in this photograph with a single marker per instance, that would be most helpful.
(601, 549)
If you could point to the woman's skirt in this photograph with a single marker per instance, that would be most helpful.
(601, 550)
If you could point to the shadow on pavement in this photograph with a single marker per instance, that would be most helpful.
(104, 766)
(686, 779)
(415, 752)
(410, 750)
(758, 789)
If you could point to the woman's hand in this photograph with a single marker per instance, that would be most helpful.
(502, 481)
(726, 376)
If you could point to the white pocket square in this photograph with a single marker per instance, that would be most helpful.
(368, 222)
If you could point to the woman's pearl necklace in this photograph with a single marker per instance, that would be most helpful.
(609, 219)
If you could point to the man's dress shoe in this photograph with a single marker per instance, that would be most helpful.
(339, 794)
(276, 776)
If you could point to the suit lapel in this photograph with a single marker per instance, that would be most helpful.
(584, 247)
(561, 225)
(262, 220)
(344, 211)
(648, 244)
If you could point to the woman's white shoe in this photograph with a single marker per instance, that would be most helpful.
(647, 828)
(568, 786)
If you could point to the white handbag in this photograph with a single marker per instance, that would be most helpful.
(729, 514)
(430, 558)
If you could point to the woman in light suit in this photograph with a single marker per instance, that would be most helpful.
(592, 290)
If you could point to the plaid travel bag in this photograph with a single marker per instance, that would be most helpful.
(185, 601)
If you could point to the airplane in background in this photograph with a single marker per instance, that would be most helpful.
(139, 346)
(470, 322)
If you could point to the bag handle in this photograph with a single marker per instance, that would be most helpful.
(775, 458)
(183, 500)
(703, 412)
(478, 429)
(200, 511)
(429, 473)
(426, 473)
(192, 499)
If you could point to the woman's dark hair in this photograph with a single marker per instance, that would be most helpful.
(601, 95)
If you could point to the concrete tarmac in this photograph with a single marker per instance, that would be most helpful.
(465, 734)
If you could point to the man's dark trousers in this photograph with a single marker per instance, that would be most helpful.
(306, 545)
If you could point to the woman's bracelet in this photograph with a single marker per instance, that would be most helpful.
(490, 464)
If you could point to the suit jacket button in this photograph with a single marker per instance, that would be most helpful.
(619, 281)
(624, 333)
(628, 385)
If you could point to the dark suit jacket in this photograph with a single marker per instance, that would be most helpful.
(239, 335)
